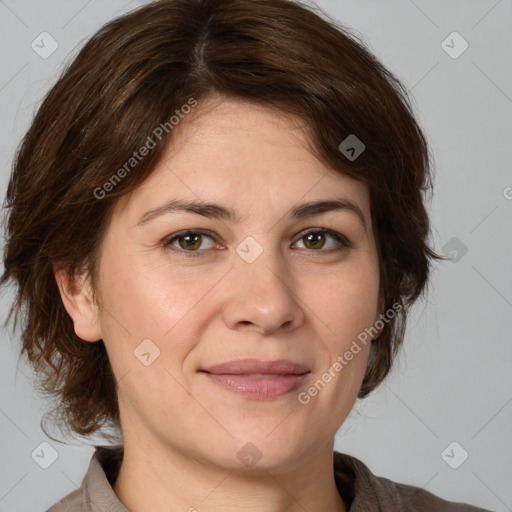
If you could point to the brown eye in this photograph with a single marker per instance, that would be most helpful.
(189, 241)
(316, 240)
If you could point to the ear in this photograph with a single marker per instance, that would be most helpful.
(76, 295)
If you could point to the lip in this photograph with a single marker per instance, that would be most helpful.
(252, 366)
(256, 379)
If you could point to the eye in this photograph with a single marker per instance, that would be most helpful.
(315, 239)
(192, 243)
(189, 241)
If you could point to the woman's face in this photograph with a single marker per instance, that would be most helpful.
(265, 285)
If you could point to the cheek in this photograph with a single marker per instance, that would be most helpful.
(143, 299)
(147, 331)
(345, 306)
(343, 311)
(346, 302)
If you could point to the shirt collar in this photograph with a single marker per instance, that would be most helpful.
(98, 495)
(359, 488)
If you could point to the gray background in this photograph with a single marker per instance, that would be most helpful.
(453, 381)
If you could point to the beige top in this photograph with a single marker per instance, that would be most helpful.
(360, 489)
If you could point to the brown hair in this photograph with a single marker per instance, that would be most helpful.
(129, 79)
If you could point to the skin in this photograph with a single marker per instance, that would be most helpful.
(299, 300)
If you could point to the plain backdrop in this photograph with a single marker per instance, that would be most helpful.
(450, 393)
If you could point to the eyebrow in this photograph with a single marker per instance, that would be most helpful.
(217, 211)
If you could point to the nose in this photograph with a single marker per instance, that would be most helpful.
(259, 296)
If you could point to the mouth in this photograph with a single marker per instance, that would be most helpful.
(258, 380)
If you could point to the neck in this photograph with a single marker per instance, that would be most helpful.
(159, 479)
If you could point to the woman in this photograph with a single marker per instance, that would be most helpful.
(217, 228)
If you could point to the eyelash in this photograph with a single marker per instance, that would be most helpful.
(167, 243)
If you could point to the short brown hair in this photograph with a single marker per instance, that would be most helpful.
(130, 78)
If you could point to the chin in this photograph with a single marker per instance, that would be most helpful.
(257, 452)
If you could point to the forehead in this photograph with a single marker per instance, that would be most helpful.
(246, 156)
